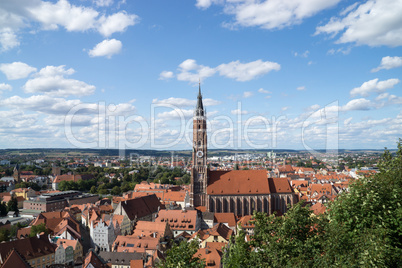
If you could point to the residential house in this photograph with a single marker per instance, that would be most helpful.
(142, 208)
(102, 232)
(77, 253)
(121, 259)
(92, 260)
(15, 259)
(227, 219)
(38, 251)
(180, 220)
(219, 233)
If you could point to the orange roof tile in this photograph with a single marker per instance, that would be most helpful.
(238, 182)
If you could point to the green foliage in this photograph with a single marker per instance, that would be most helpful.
(116, 191)
(365, 226)
(3, 209)
(239, 253)
(37, 229)
(12, 205)
(4, 234)
(182, 255)
(24, 184)
(361, 228)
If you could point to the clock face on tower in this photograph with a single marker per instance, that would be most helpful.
(200, 154)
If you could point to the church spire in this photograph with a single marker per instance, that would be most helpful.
(199, 110)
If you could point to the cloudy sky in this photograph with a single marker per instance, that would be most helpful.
(281, 74)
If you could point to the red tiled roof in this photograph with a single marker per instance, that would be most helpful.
(228, 218)
(14, 259)
(279, 185)
(178, 219)
(141, 207)
(238, 182)
(29, 248)
(318, 208)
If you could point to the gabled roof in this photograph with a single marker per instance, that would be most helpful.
(318, 208)
(93, 259)
(131, 243)
(67, 243)
(14, 259)
(247, 221)
(141, 207)
(211, 256)
(178, 219)
(147, 228)
(228, 218)
(236, 182)
(280, 185)
(120, 258)
(218, 230)
(29, 248)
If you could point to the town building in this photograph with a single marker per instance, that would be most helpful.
(37, 251)
(237, 191)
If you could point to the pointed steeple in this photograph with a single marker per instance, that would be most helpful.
(199, 109)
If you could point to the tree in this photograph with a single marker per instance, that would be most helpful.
(361, 228)
(12, 205)
(3, 209)
(93, 190)
(37, 229)
(4, 235)
(182, 255)
(116, 190)
(238, 253)
(365, 227)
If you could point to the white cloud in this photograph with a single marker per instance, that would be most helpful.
(261, 90)
(41, 103)
(239, 112)
(373, 23)
(45, 15)
(8, 39)
(285, 108)
(392, 99)
(51, 81)
(4, 86)
(344, 51)
(165, 75)
(181, 102)
(361, 104)
(347, 121)
(303, 55)
(247, 71)
(117, 22)
(103, 3)
(247, 94)
(176, 114)
(203, 4)
(374, 86)
(382, 96)
(62, 13)
(190, 71)
(388, 63)
(301, 88)
(16, 70)
(107, 48)
(269, 14)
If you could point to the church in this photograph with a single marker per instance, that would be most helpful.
(238, 191)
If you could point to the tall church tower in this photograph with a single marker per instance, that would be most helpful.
(199, 172)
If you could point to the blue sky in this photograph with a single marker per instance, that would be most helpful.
(280, 74)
